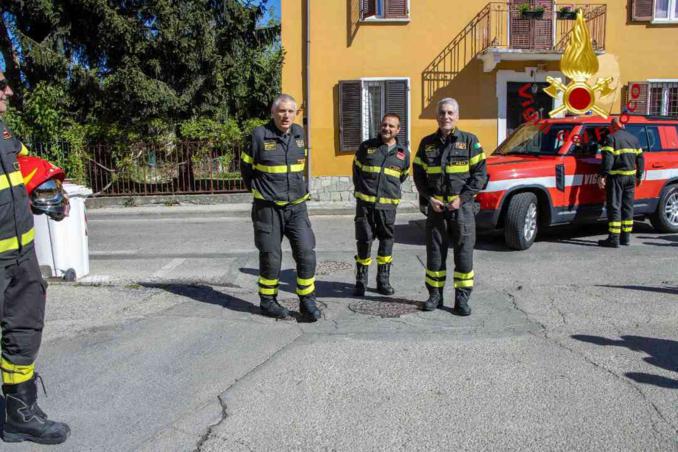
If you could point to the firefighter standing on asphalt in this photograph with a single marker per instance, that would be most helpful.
(273, 170)
(449, 170)
(22, 300)
(380, 166)
(621, 170)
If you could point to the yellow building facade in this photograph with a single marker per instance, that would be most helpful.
(349, 61)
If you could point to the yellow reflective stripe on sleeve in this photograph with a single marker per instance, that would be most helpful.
(468, 275)
(457, 168)
(14, 179)
(405, 171)
(448, 199)
(305, 282)
(434, 170)
(306, 291)
(366, 261)
(374, 199)
(279, 169)
(13, 244)
(268, 282)
(268, 291)
(418, 161)
(607, 149)
(477, 159)
(434, 283)
(463, 284)
(13, 374)
(246, 158)
(381, 260)
(438, 274)
(24, 150)
(623, 172)
(621, 151)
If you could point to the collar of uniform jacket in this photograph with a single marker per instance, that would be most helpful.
(397, 147)
(454, 134)
(272, 132)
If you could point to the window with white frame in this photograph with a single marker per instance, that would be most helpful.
(655, 11)
(384, 9)
(362, 105)
(653, 97)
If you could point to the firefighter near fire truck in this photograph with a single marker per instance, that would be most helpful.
(380, 167)
(449, 170)
(22, 289)
(621, 171)
(272, 169)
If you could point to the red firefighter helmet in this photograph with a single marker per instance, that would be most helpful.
(44, 183)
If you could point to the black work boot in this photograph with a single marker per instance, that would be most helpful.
(308, 308)
(271, 308)
(461, 306)
(360, 279)
(625, 238)
(25, 421)
(612, 241)
(383, 284)
(435, 299)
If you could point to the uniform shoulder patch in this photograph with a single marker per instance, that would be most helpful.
(477, 145)
(300, 142)
(371, 151)
(269, 145)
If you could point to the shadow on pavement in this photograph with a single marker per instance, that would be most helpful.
(663, 354)
(288, 283)
(668, 290)
(672, 239)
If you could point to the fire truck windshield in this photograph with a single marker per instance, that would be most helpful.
(534, 139)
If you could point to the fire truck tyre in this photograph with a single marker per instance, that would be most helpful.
(665, 219)
(520, 227)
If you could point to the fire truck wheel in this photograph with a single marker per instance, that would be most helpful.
(521, 223)
(665, 219)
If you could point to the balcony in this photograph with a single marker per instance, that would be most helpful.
(500, 33)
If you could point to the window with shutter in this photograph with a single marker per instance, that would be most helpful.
(350, 115)
(641, 10)
(395, 9)
(375, 10)
(653, 97)
(368, 8)
(362, 105)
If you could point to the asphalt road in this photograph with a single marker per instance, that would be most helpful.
(162, 347)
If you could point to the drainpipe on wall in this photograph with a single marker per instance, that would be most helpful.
(307, 95)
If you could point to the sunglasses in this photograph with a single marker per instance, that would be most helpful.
(3, 84)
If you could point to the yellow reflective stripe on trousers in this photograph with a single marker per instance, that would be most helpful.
(614, 223)
(381, 260)
(268, 282)
(268, 290)
(306, 291)
(463, 284)
(434, 283)
(436, 274)
(468, 275)
(366, 261)
(374, 199)
(13, 374)
(477, 159)
(13, 244)
(13, 179)
(305, 282)
(623, 172)
(279, 169)
(246, 158)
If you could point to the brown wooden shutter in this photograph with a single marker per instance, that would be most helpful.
(350, 115)
(368, 8)
(396, 102)
(395, 9)
(641, 101)
(642, 10)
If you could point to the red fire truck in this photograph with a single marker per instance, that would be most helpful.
(546, 174)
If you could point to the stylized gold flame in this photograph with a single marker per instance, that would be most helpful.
(579, 62)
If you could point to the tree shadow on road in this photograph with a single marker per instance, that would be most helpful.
(663, 354)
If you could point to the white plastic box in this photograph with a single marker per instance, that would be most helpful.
(63, 246)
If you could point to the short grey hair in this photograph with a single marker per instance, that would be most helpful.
(448, 101)
(280, 99)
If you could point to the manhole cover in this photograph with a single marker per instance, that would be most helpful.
(389, 307)
(330, 267)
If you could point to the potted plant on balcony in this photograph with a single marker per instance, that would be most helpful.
(527, 12)
(567, 13)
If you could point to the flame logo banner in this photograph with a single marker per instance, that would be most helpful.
(579, 62)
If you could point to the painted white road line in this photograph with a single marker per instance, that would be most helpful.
(171, 265)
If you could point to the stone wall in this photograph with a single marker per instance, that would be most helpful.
(340, 188)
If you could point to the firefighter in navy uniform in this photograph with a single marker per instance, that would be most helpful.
(22, 300)
(380, 166)
(449, 170)
(621, 170)
(273, 170)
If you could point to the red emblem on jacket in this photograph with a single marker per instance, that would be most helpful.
(400, 155)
